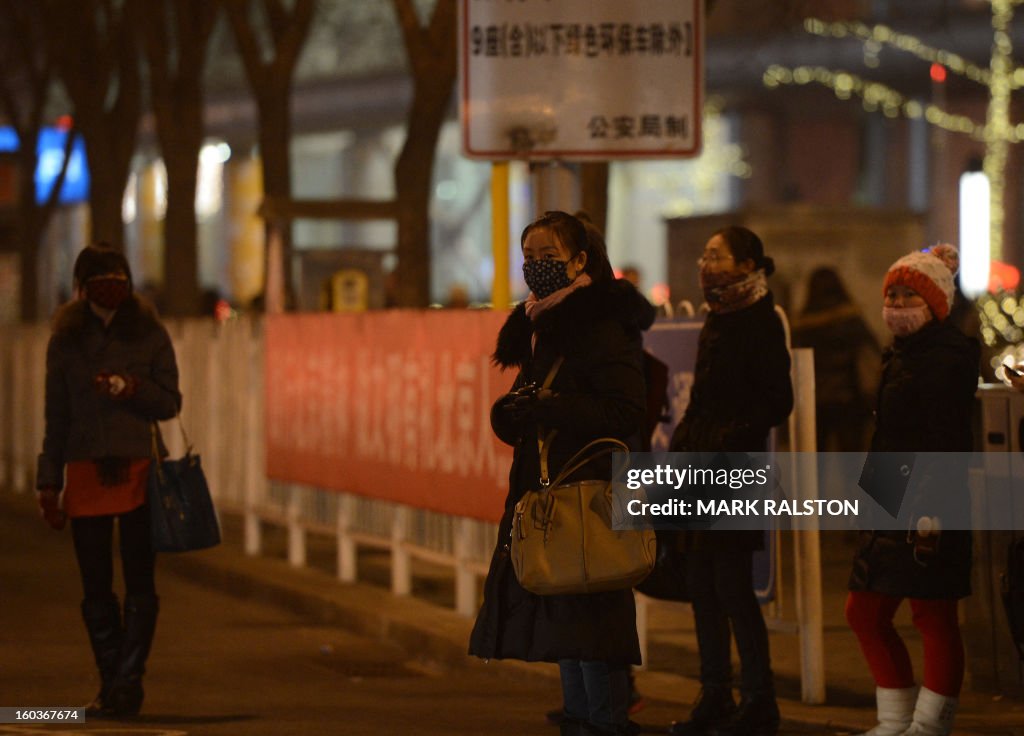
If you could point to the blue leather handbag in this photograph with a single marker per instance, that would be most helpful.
(182, 517)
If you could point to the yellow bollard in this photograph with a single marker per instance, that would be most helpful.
(500, 291)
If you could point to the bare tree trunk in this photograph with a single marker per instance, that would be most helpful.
(93, 45)
(270, 78)
(413, 185)
(181, 259)
(106, 192)
(33, 217)
(431, 52)
(275, 152)
(27, 229)
(26, 75)
(176, 64)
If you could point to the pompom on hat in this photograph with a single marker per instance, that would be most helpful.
(930, 273)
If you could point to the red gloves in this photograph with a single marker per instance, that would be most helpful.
(116, 385)
(49, 508)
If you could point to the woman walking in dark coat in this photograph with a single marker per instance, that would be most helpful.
(741, 390)
(576, 311)
(929, 379)
(110, 373)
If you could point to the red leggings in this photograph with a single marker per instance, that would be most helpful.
(870, 616)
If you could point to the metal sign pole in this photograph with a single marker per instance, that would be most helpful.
(501, 297)
(556, 186)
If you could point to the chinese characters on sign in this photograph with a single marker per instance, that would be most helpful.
(393, 405)
(629, 126)
(581, 79)
(586, 40)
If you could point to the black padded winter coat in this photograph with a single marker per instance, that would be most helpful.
(599, 392)
(741, 389)
(925, 403)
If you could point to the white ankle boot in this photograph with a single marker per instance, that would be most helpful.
(933, 715)
(895, 710)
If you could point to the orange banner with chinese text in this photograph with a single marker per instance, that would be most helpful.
(392, 405)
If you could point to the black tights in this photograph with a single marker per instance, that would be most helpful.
(94, 548)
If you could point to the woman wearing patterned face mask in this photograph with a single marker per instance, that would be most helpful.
(929, 378)
(741, 390)
(110, 373)
(578, 312)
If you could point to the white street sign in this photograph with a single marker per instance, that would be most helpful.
(581, 79)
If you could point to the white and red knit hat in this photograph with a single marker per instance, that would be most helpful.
(930, 273)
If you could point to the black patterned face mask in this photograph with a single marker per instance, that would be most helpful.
(545, 277)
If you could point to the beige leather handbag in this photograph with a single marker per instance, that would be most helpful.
(562, 536)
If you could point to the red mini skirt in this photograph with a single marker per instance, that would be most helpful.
(84, 495)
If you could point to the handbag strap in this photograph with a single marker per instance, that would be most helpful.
(154, 431)
(544, 441)
(581, 458)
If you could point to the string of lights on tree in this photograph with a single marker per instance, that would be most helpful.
(1001, 78)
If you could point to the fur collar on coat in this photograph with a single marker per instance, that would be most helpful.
(133, 319)
(618, 301)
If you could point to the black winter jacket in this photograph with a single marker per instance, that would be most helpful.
(82, 424)
(599, 392)
(741, 384)
(741, 389)
(925, 404)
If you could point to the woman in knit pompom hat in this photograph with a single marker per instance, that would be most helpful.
(930, 374)
(929, 275)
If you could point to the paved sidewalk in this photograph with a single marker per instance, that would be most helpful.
(437, 636)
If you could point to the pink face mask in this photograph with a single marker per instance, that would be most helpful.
(903, 321)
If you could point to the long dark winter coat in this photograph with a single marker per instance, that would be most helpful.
(741, 389)
(839, 337)
(925, 403)
(82, 424)
(600, 392)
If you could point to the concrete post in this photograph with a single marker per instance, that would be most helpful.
(401, 560)
(806, 537)
(348, 571)
(296, 532)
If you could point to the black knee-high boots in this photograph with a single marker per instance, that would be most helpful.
(120, 649)
(102, 618)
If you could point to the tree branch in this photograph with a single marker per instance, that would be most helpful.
(293, 41)
(442, 24)
(245, 39)
(277, 20)
(11, 106)
(53, 197)
(154, 36)
(412, 32)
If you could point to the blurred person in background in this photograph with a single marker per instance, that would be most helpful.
(110, 375)
(846, 357)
